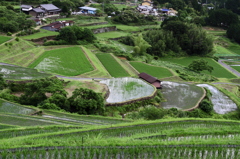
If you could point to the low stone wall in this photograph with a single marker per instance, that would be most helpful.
(41, 39)
(104, 29)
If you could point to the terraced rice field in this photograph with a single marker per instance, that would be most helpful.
(112, 34)
(65, 61)
(218, 71)
(4, 39)
(42, 33)
(127, 89)
(159, 72)
(112, 66)
(21, 73)
(8, 107)
(236, 68)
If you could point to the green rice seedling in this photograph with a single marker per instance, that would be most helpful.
(112, 66)
(65, 61)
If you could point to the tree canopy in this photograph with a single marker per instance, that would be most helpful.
(200, 65)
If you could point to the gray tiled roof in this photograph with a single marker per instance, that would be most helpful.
(38, 10)
(49, 7)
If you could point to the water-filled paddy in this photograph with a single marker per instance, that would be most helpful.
(127, 88)
(221, 103)
(8, 107)
(180, 95)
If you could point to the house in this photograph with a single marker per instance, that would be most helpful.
(147, 3)
(26, 8)
(170, 11)
(88, 10)
(150, 79)
(58, 25)
(37, 12)
(50, 9)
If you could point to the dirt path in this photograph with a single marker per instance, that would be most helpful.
(221, 62)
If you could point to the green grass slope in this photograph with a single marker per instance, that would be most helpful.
(219, 71)
(159, 72)
(42, 33)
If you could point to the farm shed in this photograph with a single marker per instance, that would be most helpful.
(150, 79)
(50, 9)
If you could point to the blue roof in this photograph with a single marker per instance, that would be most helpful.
(165, 10)
(88, 8)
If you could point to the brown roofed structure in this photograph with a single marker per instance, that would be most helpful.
(150, 79)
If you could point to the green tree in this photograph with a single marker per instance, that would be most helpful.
(68, 34)
(140, 45)
(2, 82)
(206, 106)
(222, 18)
(233, 32)
(200, 65)
(86, 101)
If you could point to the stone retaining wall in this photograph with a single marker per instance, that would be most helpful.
(104, 29)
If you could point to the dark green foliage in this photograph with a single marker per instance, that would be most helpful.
(222, 18)
(152, 113)
(233, 5)
(129, 17)
(200, 65)
(233, 32)
(2, 82)
(191, 38)
(163, 43)
(110, 8)
(206, 106)
(56, 101)
(13, 22)
(36, 91)
(86, 101)
(128, 40)
(72, 34)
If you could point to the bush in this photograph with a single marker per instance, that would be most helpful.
(17, 39)
(206, 106)
(152, 113)
(9, 34)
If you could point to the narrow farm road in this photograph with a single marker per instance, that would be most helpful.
(227, 83)
(79, 78)
(221, 62)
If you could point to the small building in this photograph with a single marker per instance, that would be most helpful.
(147, 3)
(37, 12)
(26, 8)
(88, 10)
(50, 9)
(150, 79)
(58, 25)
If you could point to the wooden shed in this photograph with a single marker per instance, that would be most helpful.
(150, 79)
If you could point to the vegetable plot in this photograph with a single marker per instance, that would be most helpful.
(127, 88)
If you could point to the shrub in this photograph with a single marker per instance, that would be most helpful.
(17, 39)
(206, 106)
(152, 113)
(9, 34)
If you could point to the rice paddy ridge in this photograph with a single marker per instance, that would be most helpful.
(121, 131)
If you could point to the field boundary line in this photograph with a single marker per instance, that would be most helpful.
(88, 59)
(132, 67)
(94, 65)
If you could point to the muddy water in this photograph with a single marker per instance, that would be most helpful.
(180, 95)
(221, 103)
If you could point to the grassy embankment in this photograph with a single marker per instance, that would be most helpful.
(42, 33)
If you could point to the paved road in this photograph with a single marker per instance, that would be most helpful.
(228, 67)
